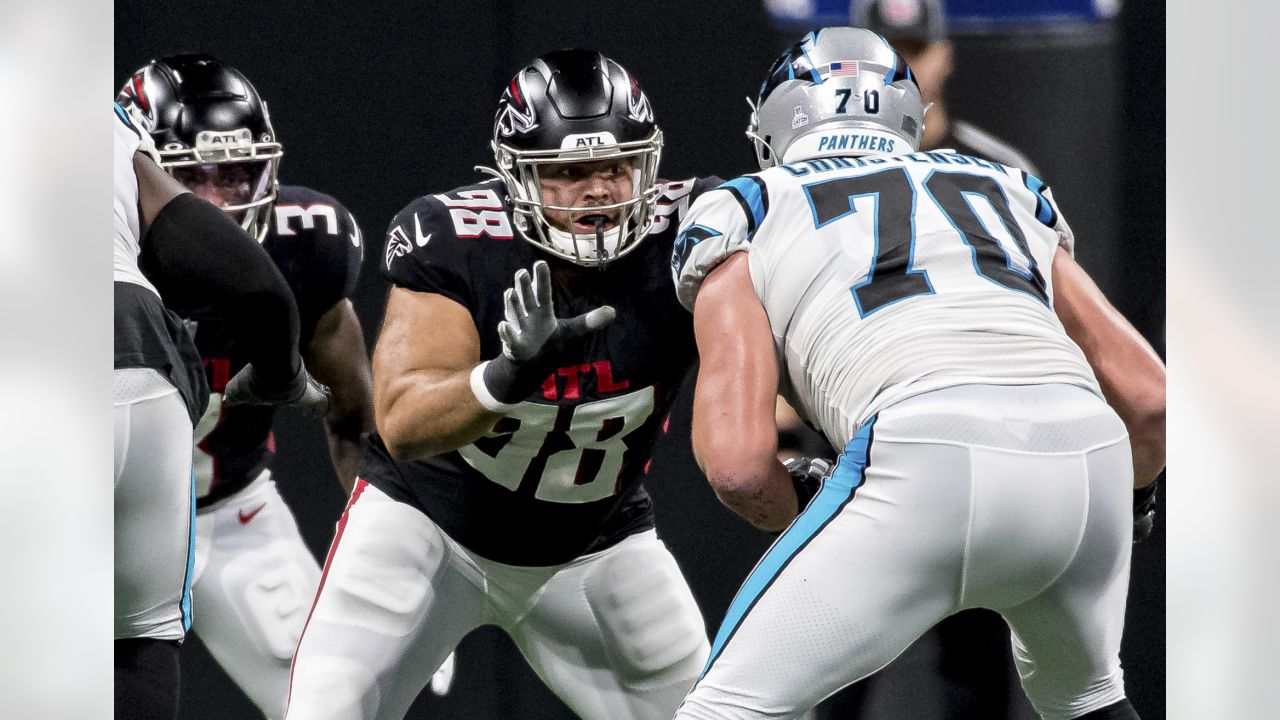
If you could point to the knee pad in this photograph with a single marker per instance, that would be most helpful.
(380, 576)
(647, 615)
(332, 688)
(269, 589)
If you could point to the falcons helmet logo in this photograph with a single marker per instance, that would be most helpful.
(514, 114)
(638, 104)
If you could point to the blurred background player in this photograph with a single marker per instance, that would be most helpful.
(503, 485)
(160, 392)
(917, 30)
(981, 466)
(254, 578)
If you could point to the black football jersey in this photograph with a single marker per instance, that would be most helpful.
(559, 476)
(317, 245)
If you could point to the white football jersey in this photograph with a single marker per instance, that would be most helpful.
(125, 225)
(884, 278)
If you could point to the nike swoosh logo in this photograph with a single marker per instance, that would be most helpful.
(417, 231)
(245, 518)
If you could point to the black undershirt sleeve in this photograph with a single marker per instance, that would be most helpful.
(198, 258)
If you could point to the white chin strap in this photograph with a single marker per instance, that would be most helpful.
(583, 245)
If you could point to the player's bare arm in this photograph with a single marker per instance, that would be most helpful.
(422, 363)
(1127, 368)
(735, 436)
(336, 358)
(155, 189)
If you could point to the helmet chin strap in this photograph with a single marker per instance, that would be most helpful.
(600, 242)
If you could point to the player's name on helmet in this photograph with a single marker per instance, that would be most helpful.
(821, 165)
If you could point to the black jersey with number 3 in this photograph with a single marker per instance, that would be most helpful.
(559, 476)
(316, 244)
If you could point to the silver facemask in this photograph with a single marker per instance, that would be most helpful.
(839, 92)
(222, 148)
(519, 170)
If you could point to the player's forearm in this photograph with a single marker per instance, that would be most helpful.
(735, 433)
(761, 492)
(335, 357)
(1148, 457)
(428, 412)
(347, 437)
(346, 460)
(1129, 372)
(1143, 414)
(739, 458)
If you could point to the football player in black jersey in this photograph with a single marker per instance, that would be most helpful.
(159, 392)
(253, 576)
(516, 420)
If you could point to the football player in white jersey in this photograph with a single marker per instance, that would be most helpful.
(905, 303)
(164, 235)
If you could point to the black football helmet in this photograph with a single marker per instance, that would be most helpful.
(576, 106)
(205, 114)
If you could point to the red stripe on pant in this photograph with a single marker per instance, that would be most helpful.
(333, 549)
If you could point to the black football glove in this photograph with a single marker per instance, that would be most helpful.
(533, 338)
(1144, 512)
(806, 477)
(303, 392)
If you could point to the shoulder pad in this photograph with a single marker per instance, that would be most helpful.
(674, 197)
(299, 210)
(430, 242)
(719, 224)
(421, 221)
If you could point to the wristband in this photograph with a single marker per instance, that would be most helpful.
(481, 391)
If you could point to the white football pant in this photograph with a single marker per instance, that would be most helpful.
(154, 507)
(1012, 498)
(615, 634)
(254, 582)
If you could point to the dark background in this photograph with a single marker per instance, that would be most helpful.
(377, 105)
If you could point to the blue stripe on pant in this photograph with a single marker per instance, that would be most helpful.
(836, 492)
(191, 559)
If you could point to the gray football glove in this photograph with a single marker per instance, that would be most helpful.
(533, 338)
(303, 392)
(806, 477)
